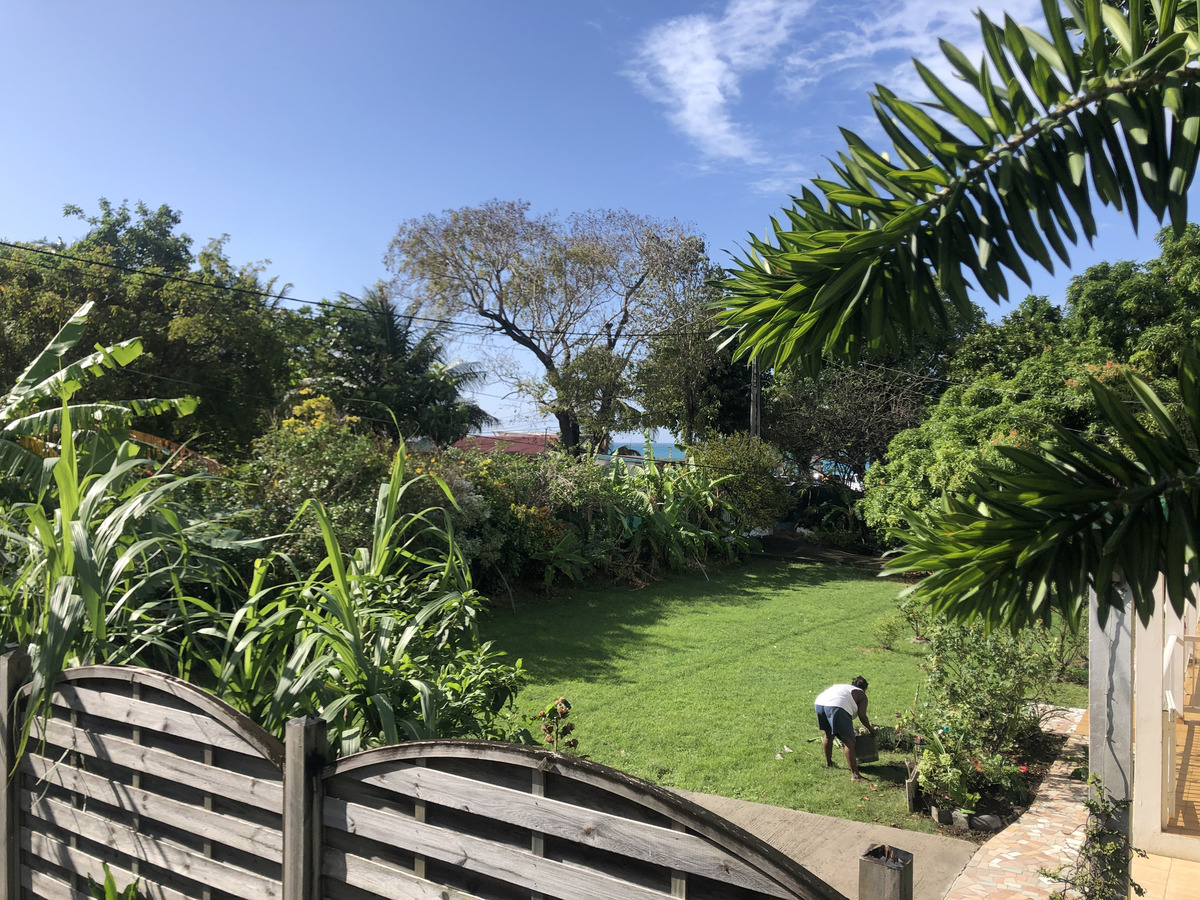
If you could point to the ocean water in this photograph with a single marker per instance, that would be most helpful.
(662, 449)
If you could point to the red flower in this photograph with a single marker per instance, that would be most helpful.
(1023, 768)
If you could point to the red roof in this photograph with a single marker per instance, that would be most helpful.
(510, 442)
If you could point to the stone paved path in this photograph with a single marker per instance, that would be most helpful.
(1047, 835)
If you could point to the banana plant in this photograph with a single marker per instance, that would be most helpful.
(31, 410)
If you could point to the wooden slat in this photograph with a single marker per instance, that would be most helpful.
(257, 792)
(231, 831)
(181, 861)
(14, 667)
(667, 847)
(386, 881)
(41, 884)
(42, 846)
(269, 746)
(474, 854)
(191, 726)
(789, 874)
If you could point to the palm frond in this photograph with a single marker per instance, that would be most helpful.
(1100, 104)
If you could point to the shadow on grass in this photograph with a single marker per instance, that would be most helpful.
(892, 771)
(580, 635)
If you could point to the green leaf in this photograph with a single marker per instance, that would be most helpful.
(954, 105)
(1062, 43)
(1119, 27)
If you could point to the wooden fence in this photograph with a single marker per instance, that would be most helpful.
(169, 785)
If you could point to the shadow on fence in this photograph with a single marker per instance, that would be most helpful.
(169, 785)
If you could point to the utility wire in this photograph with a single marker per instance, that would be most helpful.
(281, 296)
(488, 329)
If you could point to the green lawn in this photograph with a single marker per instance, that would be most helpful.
(697, 683)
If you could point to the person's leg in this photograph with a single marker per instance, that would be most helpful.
(825, 723)
(843, 727)
(852, 761)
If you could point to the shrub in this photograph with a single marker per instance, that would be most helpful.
(979, 704)
(555, 517)
(887, 630)
(315, 454)
(753, 493)
(381, 643)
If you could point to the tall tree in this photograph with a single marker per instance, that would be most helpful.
(688, 382)
(1106, 107)
(999, 348)
(847, 414)
(1145, 313)
(378, 366)
(554, 288)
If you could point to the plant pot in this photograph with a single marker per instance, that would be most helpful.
(865, 749)
(943, 815)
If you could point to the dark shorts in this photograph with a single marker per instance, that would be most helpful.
(835, 720)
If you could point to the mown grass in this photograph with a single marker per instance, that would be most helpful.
(697, 683)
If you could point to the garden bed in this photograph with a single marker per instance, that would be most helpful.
(1038, 756)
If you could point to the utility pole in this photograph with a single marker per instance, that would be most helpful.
(755, 400)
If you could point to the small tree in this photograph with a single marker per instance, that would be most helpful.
(754, 490)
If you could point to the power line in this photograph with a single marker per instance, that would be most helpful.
(488, 329)
(281, 296)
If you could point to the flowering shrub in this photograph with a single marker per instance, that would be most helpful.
(315, 453)
(978, 707)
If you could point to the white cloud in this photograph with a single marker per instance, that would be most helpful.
(697, 67)
(694, 66)
(867, 44)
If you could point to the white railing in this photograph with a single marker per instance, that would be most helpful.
(1174, 666)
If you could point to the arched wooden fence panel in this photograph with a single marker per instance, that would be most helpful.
(502, 822)
(155, 778)
(164, 783)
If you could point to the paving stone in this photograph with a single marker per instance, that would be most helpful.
(1049, 831)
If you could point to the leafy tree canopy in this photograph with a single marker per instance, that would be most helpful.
(212, 329)
(593, 283)
(1103, 104)
(687, 382)
(971, 422)
(848, 413)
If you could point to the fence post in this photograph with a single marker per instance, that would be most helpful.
(885, 873)
(304, 757)
(14, 667)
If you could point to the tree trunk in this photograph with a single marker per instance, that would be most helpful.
(568, 429)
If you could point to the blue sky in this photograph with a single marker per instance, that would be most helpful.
(308, 131)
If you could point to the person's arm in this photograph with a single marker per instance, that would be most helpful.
(861, 698)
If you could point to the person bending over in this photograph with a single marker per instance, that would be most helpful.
(836, 708)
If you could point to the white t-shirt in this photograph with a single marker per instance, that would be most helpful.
(840, 695)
